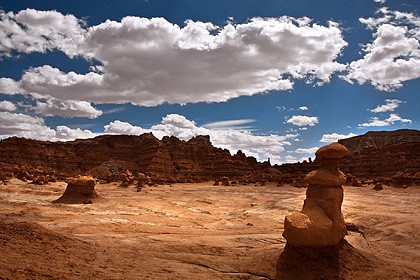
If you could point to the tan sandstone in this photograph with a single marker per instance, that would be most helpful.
(320, 223)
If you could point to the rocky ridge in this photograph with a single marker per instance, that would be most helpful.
(382, 154)
(118, 157)
(378, 139)
(387, 155)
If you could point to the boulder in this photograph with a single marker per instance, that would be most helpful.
(225, 181)
(378, 187)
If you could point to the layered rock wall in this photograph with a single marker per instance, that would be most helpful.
(385, 161)
(379, 139)
(169, 159)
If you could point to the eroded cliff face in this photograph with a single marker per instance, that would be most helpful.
(378, 139)
(382, 153)
(385, 161)
(169, 159)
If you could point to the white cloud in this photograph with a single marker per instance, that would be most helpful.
(394, 55)
(303, 108)
(306, 151)
(151, 61)
(6, 105)
(67, 133)
(391, 105)
(38, 31)
(380, 1)
(375, 121)
(334, 137)
(303, 120)
(119, 127)
(232, 124)
(290, 159)
(395, 118)
(21, 125)
(9, 86)
(67, 108)
(12, 124)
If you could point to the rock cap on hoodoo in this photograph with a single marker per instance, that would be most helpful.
(82, 181)
(333, 150)
(328, 173)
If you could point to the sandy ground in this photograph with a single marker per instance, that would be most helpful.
(192, 231)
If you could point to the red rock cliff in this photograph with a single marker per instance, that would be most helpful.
(169, 159)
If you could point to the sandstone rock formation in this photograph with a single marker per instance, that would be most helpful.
(379, 139)
(382, 153)
(106, 157)
(378, 187)
(116, 157)
(383, 162)
(320, 223)
(376, 154)
(79, 190)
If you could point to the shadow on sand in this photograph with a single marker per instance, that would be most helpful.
(336, 262)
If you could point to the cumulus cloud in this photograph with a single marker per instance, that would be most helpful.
(303, 120)
(67, 108)
(390, 105)
(375, 121)
(67, 133)
(22, 125)
(151, 61)
(9, 86)
(13, 124)
(334, 137)
(395, 118)
(380, 1)
(303, 108)
(40, 31)
(394, 55)
(290, 159)
(119, 127)
(6, 105)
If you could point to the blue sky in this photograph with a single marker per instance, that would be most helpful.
(276, 79)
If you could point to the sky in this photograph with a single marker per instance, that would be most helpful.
(275, 79)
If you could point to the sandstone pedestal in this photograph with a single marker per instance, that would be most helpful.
(79, 190)
(320, 223)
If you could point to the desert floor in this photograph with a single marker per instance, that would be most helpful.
(192, 231)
